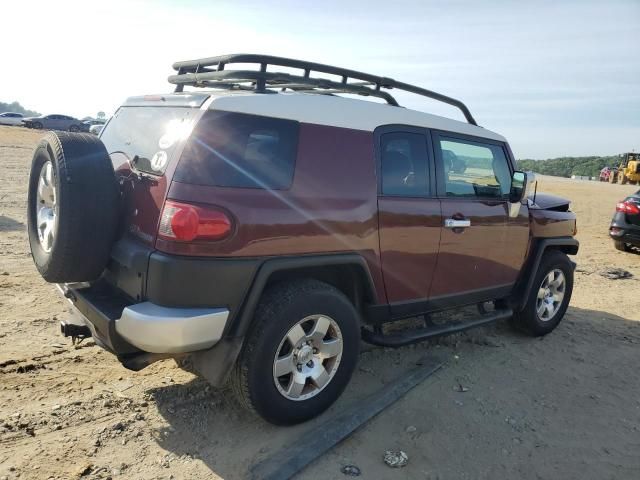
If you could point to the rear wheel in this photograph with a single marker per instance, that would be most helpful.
(74, 128)
(300, 353)
(549, 297)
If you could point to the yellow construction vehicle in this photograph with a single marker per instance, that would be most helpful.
(628, 171)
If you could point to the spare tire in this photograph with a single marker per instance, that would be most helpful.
(72, 207)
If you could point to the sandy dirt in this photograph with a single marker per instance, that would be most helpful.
(505, 406)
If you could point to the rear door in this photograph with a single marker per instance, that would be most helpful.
(143, 142)
(52, 122)
(484, 240)
(409, 216)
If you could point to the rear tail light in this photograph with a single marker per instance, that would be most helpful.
(628, 207)
(184, 222)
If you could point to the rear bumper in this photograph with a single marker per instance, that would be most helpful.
(622, 231)
(157, 329)
(126, 328)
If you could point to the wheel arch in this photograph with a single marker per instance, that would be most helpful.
(338, 270)
(349, 273)
(567, 245)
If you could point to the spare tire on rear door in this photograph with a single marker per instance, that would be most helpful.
(72, 207)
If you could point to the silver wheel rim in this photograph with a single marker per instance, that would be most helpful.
(550, 295)
(308, 357)
(47, 207)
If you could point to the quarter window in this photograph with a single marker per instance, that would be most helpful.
(229, 149)
(473, 169)
(403, 160)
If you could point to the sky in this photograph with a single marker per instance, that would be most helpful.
(556, 78)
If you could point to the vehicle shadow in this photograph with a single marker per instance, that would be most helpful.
(8, 224)
(205, 423)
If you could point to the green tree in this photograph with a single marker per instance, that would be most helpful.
(17, 108)
(568, 166)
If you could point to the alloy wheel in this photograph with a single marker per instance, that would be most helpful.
(46, 207)
(308, 357)
(550, 295)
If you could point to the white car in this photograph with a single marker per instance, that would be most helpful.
(10, 118)
(96, 129)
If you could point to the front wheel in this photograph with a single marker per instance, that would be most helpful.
(300, 353)
(549, 297)
(621, 246)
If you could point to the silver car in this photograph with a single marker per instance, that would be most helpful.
(55, 122)
(10, 118)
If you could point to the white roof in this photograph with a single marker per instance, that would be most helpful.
(338, 112)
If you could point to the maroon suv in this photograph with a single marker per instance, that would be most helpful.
(262, 225)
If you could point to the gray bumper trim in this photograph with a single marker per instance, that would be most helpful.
(157, 329)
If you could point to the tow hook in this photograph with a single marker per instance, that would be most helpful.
(77, 332)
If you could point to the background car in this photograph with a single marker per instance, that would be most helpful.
(604, 174)
(56, 122)
(96, 129)
(94, 122)
(10, 118)
(625, 225)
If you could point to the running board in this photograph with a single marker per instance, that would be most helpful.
(418, 335)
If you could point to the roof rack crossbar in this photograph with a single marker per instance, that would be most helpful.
(211, 72)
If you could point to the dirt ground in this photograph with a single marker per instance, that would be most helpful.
(561, 407)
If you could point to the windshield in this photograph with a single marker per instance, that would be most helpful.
(147, 136)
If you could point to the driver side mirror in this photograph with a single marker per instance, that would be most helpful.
(518, 184)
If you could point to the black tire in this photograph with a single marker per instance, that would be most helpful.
(74, 129)
(280, 308)
(619, 245)
(623, 179)
(37, 125)
(527, 319)
(86, 207)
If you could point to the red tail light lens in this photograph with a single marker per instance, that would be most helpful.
(183, 222)
(628, 207)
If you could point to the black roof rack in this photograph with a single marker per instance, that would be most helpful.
(210, 72)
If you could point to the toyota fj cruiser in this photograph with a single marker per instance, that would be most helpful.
(262, 224)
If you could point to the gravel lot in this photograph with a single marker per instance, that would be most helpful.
(505, 406)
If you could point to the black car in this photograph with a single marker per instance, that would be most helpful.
(625, 225)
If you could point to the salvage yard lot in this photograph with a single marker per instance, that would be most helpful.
(505, 405)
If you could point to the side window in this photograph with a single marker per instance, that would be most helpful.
(403, 161)
(238, 150)
(473, 169)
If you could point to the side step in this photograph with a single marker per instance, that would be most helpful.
(418, 335)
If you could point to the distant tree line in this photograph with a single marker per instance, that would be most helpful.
(567, 166)
(15, 107)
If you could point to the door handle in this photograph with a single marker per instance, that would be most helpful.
(453, 223)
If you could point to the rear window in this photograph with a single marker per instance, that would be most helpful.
(229, 149)
(147, 136)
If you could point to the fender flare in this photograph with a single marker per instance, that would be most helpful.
(244, 317)
(215, 363)
(568, 245)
